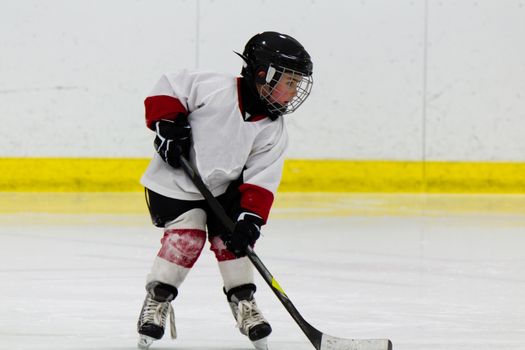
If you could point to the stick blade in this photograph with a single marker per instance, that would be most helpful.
(333, 343)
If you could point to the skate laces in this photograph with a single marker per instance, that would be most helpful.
(248, 315)
(157, 312)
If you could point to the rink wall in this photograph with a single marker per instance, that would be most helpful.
(408, 96)
(122, 175)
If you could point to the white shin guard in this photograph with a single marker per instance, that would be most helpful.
(182, 244)
(236, 272)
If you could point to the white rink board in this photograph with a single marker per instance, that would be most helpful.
(74, 74)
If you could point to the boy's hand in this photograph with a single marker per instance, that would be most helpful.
(173, 139)
(246, 231)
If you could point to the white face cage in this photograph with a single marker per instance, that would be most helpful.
(285, 89)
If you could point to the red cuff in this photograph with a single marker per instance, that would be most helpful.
(256, 199)
(162, 107)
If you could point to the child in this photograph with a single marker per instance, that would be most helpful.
(231, 129)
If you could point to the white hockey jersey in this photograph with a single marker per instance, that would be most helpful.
(224, 143)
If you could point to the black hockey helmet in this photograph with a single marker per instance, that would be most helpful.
(275, 54)
(276, 49)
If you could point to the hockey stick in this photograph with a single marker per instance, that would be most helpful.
(319, 340)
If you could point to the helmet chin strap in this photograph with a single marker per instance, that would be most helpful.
(276, 110)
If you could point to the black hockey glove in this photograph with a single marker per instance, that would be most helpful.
(246, 231)
(173, 139)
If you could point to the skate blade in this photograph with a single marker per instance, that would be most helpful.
(145, 342)
(261, 344)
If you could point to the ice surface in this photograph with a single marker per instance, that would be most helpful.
(425, 274)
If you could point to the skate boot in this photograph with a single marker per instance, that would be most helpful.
(152, 319)
(250, 320)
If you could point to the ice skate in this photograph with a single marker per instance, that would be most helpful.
(250, 320)
(154, 313)
(261, 344)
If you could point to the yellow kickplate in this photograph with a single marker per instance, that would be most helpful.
(299, 175)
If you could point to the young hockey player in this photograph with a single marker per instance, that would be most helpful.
(231, 129)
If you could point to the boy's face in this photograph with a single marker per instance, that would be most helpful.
(283, 91)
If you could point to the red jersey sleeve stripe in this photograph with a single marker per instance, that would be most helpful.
(256, 199)
(162, 107)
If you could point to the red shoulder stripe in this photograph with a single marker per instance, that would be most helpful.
(162, 107)
(256, 199)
